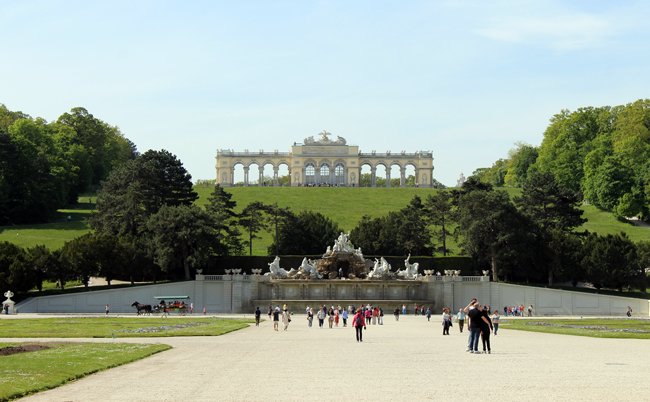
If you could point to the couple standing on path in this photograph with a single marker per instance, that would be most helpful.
(480, 325)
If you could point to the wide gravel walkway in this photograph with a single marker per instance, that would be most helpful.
(408, 360)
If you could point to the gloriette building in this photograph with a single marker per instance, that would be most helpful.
(325, 161)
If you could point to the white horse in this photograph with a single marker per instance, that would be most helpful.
(410, 270)
(276, 271)
(308, 268)
(381, 269)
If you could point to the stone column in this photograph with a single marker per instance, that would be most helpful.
(246, 170)
(232, 176)
(402, 176)
(388, 176)
(373, 176)
(317, 175)
(275, 175)
(260, 181)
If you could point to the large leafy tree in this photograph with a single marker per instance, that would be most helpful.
(253, 219)
(555, 212)
(138, 189)
(568, 139)
(611, 261)
(106, 146)
(182, 238)
(222, 207)
(520, 160)
(398, 233)
(495, 234)
(439, 212)
(305, 233)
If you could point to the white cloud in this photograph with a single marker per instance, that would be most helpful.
(562, 32)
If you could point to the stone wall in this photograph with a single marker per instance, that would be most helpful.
(241, 293)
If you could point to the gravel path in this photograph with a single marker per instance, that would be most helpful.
(408, 360)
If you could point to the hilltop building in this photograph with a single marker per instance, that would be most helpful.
(325, 161)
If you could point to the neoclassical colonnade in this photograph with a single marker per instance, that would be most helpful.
(325, 162)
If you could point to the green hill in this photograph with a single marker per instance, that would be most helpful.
(344, 205)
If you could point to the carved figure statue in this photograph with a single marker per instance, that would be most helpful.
(380, 270)
(410, 270)
(308, 269)
(276, 271)
(340, 140)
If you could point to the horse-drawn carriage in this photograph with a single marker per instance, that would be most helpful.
(171, 304)
(165, 305)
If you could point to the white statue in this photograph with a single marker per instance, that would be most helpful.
(380, 270)
(276, 271)
(308, 268)
(328, 251)
(410, 270)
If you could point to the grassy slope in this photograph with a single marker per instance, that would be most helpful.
(344, 205)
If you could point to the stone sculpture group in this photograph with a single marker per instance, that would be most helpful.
(342, 260)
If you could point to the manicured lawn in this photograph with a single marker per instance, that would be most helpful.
(118, 327)
(592, 327)
(604, 223)
(29, 372)
(67, 225)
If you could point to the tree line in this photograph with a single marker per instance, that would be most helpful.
(148, 226)
(46, 166)
(601, 154)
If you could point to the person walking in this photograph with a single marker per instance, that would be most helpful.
(344, 316)
(381, 316)
(330, 317)
(368, 314)
(286, 317)
(321, 317)
(270, 312)
(495, 321)
(446, 321)
(310, 317)
(396, 313)
(258, 314)
(359, 324)
(460, 317)
(428, 313)
(276, 318)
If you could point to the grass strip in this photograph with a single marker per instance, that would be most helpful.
(30, 372)
(118, 327)
(591, 327)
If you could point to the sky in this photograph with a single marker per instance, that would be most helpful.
(466, 80)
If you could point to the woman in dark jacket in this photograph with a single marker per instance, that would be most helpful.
(486, 328)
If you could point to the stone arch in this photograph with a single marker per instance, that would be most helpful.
(381, 173)
(238, 173)
(252, 173)
(325, 173)
(366, 176)
(394, 175)
(410, 174)
(282, 174)
(310, 173)
(268, 174)
(339, 173)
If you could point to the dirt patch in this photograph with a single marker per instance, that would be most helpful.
(12, 350)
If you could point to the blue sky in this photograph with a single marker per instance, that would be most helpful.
(464, 79)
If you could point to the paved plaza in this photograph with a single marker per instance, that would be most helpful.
(408, 360)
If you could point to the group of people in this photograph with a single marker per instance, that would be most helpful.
(276, 315)
(517, 311)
